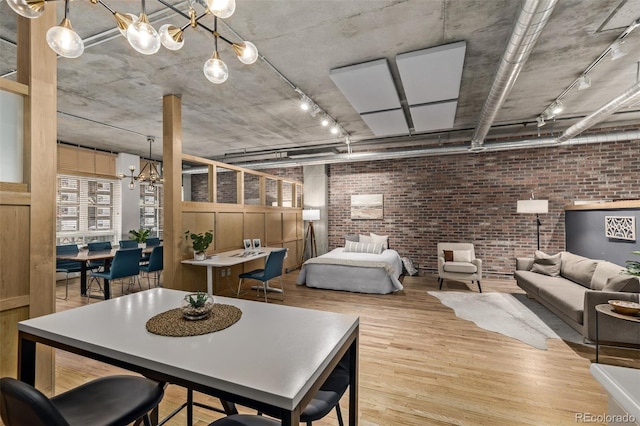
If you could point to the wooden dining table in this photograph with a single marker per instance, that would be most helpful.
(84, 257)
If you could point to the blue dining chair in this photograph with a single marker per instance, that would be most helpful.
(98, 246)
(151, 242)
(154, 266)
(126, 264)
(67, 266)
(272, 269)
(127, 244)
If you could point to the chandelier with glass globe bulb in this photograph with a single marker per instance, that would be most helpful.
(143, 37)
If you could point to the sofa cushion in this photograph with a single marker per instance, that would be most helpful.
(462, 256)
(566, 297)
(531, 282)
(577, 268)
(464, 267)
(546, 264)
(623, 283)
(604, 271)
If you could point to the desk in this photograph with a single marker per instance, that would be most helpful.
(85, 256)
(227, 259)
(275, 355)
(606, 309)
(623, 387)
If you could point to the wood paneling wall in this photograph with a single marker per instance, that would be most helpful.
(80, 161)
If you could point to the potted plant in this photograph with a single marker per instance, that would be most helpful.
(200, 243)
(140, 235)
(633, 266)
(197, 306)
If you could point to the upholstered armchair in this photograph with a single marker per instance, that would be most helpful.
(457, 261)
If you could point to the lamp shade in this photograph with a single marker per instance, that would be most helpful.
(311, 214)
(533, 206)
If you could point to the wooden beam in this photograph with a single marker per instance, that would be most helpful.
(612, 205)
(172, 159)
(14, 87)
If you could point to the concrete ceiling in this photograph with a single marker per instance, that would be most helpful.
(111, 97)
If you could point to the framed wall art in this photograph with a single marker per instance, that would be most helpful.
(620, 227)
(367, 206)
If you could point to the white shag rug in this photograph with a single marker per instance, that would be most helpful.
(513, 315)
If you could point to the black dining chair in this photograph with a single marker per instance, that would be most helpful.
(272, 269)
(154, 266)
(67, 266)
(113, 400)
(126, 264)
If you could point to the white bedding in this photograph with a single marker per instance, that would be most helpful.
(357, 272)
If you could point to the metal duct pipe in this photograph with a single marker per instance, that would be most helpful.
(534, 15)
(631, 94)
(427, 152)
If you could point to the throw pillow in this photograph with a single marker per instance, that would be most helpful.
(352, 237)
(546, 264)
(448, 255)
(578, 269)
(408, 265)
(623, 283)
(364, 239)
(383, 239)
(373, 248)
(462, 256)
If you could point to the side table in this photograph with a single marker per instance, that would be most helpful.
(606, 309)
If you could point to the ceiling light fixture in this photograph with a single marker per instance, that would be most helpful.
(324, 122)
(557, 107)
(143, 37)
(584, 82)
(153, 178)
(618, 50)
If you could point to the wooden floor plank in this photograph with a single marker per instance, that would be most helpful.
(421, 365)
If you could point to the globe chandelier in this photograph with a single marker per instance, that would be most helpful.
(152, 178)
(143, 37)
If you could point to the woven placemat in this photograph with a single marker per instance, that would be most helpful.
(172, 323)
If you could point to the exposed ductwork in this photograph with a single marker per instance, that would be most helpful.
(626, 97)
(426, 152)
(534, 15)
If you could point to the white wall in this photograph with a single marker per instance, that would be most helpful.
(130, 198)
(316, 184)
(11, 138)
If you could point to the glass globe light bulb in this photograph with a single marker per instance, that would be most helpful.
(168, 35)
(125, 20)
(247, 52)
(143, 37)
(131, 185)
(222, 8)
(64, 41)
(23, 8)
(215, 70)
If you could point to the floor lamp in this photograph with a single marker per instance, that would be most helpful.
(534, 206)
(310, 236)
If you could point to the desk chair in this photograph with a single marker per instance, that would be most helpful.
(126, 263)
(272, 269)
(127, 244)
(114, 400)
(98, 246)
(154, 266)
(67, 266)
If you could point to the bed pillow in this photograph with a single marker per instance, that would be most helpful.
(364, 239)
(546, 264)
(352, 237)
(383, 239)
(373, 248)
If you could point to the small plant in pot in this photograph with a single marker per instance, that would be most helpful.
(140, 235)
(197, 306)
(200, 243)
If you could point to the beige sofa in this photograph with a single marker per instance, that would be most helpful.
(580, 285)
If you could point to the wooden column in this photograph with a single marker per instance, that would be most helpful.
(37, 68)
(172, 158)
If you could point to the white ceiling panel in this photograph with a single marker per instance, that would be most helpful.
(438, 116)
(432, 75)
(386, 123)
(368, 86)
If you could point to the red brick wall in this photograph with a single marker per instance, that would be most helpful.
(472, 198)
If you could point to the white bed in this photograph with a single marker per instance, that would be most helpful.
(357, 272)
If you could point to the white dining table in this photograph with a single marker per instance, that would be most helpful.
(275, 355)
(227, 259)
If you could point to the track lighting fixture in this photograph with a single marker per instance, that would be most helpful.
(143, 37)
(618, 50)
(556, 108)
(584, 82)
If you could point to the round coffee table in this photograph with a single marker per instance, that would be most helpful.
(607, 310)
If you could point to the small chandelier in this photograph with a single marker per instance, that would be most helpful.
(143, 37)
(153, 177)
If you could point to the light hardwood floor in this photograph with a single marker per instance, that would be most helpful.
(421, 365)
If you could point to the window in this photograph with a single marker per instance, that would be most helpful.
(151, 209)
(88, 209)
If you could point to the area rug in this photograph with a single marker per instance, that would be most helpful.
(513, 315)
